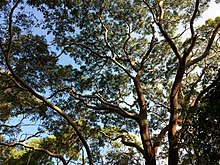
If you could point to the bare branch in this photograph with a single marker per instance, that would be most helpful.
(151, 10)
(161, 10)
(13, 126)
(29, 136)
(122, 67)
(188, 51)
(58, 91)
(108, 46)
(125, 51)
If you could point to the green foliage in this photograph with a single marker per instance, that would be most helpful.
(206, 128)
(20, 155)
(204, 133)
(113, 48)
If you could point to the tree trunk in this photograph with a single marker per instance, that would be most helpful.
(147, 145)
(173, 123)
(173, 141)
(143, 124)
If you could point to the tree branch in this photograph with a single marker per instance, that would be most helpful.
(208, 47)
(37, 95)
(104, 105)
(160, 137)
(204, 91)
(131, 144)
(151, 10)
(13, 126)
(36, 149)
(150, 49)
(125, 51)
(193, 36)
(170, 41)
(110, 48)
(10, 29)
(193, 18)
(161, 10)
(164, 33)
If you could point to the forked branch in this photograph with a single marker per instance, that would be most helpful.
(208, 47)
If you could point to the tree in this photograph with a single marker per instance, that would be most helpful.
(204, 138)
(132, 82)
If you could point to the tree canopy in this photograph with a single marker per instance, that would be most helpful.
(205, 135)
(105, 82)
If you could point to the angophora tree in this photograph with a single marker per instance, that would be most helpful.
(136, 72)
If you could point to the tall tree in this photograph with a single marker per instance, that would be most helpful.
(132, 82)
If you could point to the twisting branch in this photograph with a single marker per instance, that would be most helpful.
(125, 51)
(151, 10)
(127, 143)
(110, 48)
(163, 32)
(189, 50)
(29, 136)
(126, 41)
(105, 29)
(14, 81)
(208, 47)
(122, 67)
(10, 28)
(13, 126)
(113, 58)
(104, 105)
(58, 91)
(193, 36)
(161, 10)
(150, 49)
(170, 41)
(36, 149)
